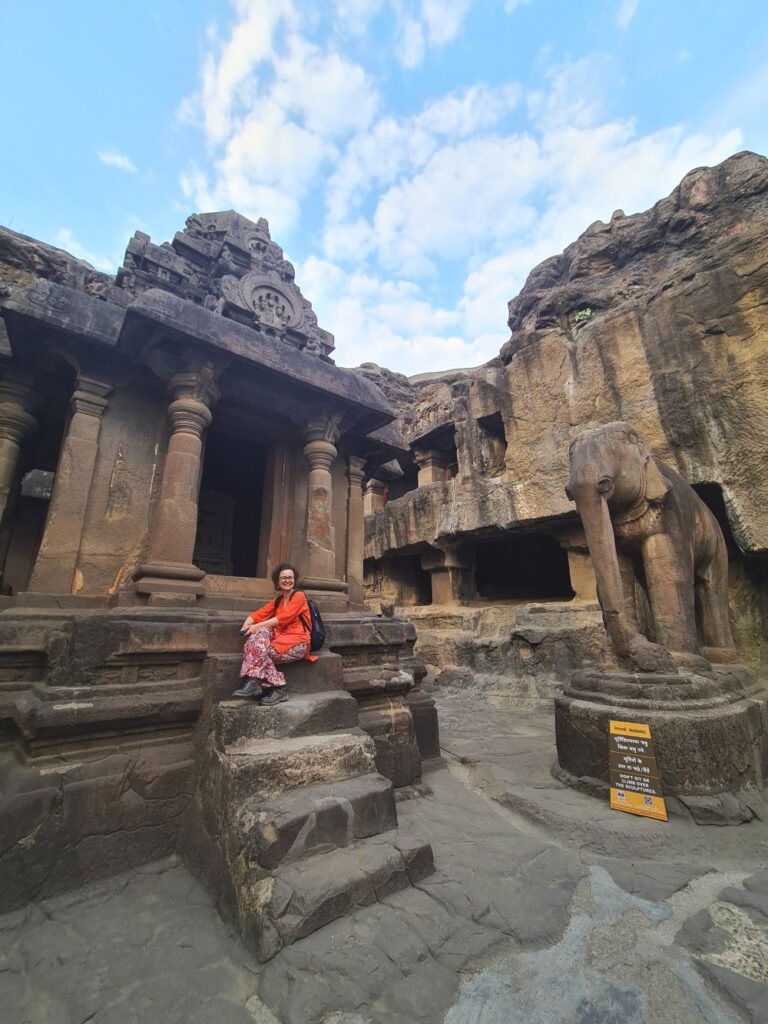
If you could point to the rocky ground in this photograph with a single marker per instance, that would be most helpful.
(545, 907)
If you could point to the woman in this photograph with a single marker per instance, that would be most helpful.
(277, 634)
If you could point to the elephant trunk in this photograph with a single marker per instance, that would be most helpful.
(596, 520)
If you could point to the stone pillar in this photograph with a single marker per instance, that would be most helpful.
(320, 453)
(453, 573)
(580, 568)
(169, 574)
(54, 571)
(373, 496)
(355, 529)
(432, 463)
(17, 403)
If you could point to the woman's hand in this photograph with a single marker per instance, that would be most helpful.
(250, 629)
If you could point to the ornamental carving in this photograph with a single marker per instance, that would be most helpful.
(230, 266)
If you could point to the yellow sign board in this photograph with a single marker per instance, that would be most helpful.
(634, 772)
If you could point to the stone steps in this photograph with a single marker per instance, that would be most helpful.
(316, 819)
(301, 715)
(40, 719)
(264, 768)
(300, 898)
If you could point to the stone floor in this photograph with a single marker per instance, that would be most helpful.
(546, 907)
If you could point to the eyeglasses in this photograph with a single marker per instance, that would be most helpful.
(286, 579)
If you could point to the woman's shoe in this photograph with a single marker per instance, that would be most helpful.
(276, 696)
(251, 688)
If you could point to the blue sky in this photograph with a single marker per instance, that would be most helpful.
(415, 158)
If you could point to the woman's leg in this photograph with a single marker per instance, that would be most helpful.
(275, 692)
(258, 664)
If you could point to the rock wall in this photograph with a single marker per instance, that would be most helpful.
(659, 319)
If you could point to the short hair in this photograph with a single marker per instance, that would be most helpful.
(282, 568)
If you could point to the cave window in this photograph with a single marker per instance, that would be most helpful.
(526, 567)
(493, 444)
(409, 481)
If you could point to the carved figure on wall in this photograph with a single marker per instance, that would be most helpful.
(645, 524)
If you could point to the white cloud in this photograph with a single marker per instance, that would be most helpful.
(66, 240)
(469, 193)
(330, 94)
(273, 105)
(626, 12)
(394, 147)
(112, 158)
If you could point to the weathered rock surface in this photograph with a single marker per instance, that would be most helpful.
(24, 260)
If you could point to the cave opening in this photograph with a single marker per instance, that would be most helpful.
(527, 567)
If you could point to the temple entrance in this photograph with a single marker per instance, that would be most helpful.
(527, 567)
(230, 505)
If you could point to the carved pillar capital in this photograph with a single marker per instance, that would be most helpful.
(189, 416)
(90, 396)
(374, 492)
(320, 454)
(18, 403)
(198, 384)
(324, 426)
(432, 463)
(355, 471)
(428, 457)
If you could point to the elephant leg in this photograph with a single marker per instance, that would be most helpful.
(669, 574)
(627, 573)
(712, 592)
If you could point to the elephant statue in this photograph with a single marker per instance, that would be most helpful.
(644, 523)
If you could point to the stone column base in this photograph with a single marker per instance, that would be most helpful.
(389, 723)
(710, 733)
(170, 582)
(425, 723)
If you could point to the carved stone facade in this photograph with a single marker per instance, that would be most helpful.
(166, 440)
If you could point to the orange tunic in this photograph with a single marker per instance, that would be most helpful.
(290, 629)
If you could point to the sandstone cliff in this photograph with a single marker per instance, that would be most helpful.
(660, 319)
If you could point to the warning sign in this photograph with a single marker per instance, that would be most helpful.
(635, 780)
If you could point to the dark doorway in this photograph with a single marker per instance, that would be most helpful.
(529, 567)
(230, 505)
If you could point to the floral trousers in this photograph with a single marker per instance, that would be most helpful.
(260, 657)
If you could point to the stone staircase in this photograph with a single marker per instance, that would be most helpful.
(294, 826)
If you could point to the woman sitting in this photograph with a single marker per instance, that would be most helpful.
(277, 634)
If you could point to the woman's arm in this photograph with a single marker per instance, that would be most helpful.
(265, 616)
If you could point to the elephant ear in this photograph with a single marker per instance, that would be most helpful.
(656, 485)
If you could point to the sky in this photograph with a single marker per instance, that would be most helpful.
(415, 158)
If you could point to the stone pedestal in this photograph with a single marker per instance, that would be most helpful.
(169, 573)
(56, 565)
(710, 733)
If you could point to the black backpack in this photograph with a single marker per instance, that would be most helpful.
(316, 627)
